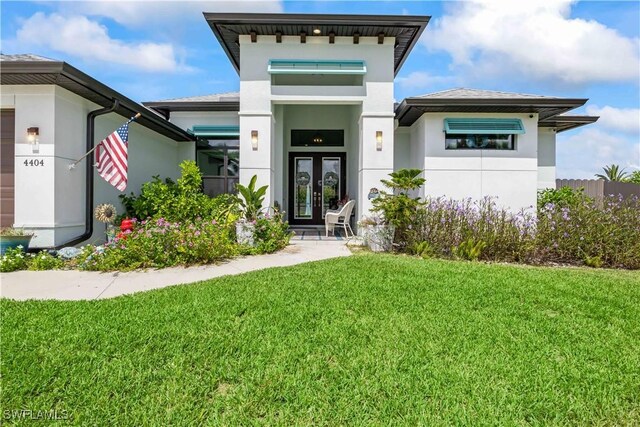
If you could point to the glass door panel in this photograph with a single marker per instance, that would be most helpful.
(303, 188)
(331, 183)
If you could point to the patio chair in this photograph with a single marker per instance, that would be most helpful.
(339, 218)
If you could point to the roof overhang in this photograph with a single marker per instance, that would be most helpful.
(410, 109)
(64, 75)
(166, 107)
(563, 123)
(227, 27)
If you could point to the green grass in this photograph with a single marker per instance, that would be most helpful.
(365, 340)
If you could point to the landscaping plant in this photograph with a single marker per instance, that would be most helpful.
(251, 199)
(398, 208)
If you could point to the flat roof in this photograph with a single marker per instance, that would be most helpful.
(34, 70)
(227, 28)
(463, 100)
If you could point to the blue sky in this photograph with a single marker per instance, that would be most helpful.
(151, 50)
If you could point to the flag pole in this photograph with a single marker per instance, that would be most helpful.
(73, 165)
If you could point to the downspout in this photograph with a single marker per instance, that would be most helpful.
(88, 226)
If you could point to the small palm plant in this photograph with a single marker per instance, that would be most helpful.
(612, 173)
(252, 199)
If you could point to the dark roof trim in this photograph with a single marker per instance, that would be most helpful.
(411, 109)
(563, 123)
(64, 75)
(332, 26)
(165, 107)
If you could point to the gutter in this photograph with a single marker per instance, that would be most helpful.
(88, 226)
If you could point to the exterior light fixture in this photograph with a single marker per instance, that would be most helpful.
(379, 140)
(317, 139)
(316, 31)
(33, 134)
(254, 140)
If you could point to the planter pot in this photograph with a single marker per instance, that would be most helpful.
(245, 232)
(380, 237)
(12, 242)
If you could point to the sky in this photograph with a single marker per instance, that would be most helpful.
(153, 50)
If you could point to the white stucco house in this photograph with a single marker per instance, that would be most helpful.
(315, 119)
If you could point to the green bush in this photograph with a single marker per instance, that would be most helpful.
(271, 233)
(44, 261)
(580, 232)
(398, 208)
(605, 234)
(180, 201)
(563, 196)
(16, 259)
(160, 243)
(13, 259)
(448, 226)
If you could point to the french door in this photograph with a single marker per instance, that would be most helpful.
(317, 183)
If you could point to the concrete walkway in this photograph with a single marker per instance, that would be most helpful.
(88, 285)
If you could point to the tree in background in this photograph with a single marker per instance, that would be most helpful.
(612, 173)
(634, 177)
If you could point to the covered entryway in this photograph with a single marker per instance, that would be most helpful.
(317, 183)
(7, 167)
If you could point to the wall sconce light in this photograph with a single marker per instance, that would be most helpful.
(379, 140)
(317, 139)
(33, 134)
(254, 140)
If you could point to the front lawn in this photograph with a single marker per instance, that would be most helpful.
(364, 340)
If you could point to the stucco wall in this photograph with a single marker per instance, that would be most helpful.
(546, 158)
(50, 199)
(511, 176)
(187, 119)
(259, 98)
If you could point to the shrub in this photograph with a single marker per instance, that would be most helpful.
(44, 261)
(160, 243)
(564, 196)
(469, 249)
(399, 208)
(13, 259)
(180, 201)
(252, 199)
(607, 234)
(466, 228)
(271, 233)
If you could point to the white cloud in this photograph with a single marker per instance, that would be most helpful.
(153, 13)
(583, 154)
(617, 119)
(537, 40)
(86, 39)
(422, 80)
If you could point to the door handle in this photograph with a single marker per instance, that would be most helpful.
(316, 199)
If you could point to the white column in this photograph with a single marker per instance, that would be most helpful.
(374, 163)
(256, 157)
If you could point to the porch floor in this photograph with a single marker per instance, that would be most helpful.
(317, 234)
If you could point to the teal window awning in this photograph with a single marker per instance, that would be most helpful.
(484, 126)
(309, 66)
(215, 131)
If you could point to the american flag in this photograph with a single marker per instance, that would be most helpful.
(111, 157)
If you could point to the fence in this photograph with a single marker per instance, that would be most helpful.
(598, 188)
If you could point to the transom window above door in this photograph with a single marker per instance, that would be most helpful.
(317, 138)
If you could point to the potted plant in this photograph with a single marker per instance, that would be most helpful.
(398, 208)
(13, 238)
(250, 201)
(376, 233)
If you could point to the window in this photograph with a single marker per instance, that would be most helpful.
(479, 141)
(219, 164)
(317, 138)
(482, 133)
